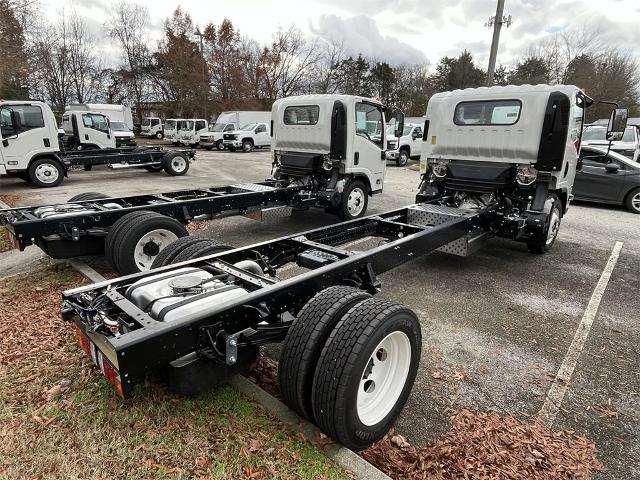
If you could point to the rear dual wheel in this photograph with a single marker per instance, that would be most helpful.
(137, 238)
(356, 387)
(188, 248)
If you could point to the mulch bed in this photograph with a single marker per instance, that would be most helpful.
(479, 445)
(11, 200)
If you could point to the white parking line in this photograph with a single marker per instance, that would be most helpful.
(555, 396)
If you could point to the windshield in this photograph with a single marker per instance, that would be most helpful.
(597, 132)
(146, 122)
(119, 127)
(170, 124)
(248, 126)
(217, 127)
(187, 125)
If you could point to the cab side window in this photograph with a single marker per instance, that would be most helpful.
(27, 117)
(7, 128)
(199, 125)
(262, 128)
(369, 122)
(155, 122)
(95, 122)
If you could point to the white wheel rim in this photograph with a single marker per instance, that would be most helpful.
(384, 378)
(554, 226)
(635, 201)
(246, 146)
(145, 251)
(403, 157)
(355, 202)
(47, 173)
(178, 163)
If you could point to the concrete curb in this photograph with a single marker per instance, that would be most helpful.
(344, 457)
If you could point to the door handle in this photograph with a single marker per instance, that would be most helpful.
(86, 136)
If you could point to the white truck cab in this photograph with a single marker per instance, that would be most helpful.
(409, 146)
(151, 127)
(29, 145)
(190, 131)
(335, 145)
(171, 127)
(511, 151)
(249, 136)
(85, 130)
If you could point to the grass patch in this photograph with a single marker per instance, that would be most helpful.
(59, 418)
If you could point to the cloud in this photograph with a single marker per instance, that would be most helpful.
(360, 34)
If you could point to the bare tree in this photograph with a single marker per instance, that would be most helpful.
(326, 70)
(83, 60)
(251, 61)
(286, 61)
(128, 26)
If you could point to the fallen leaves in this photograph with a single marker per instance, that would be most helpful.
(485, 445)
(603, 411)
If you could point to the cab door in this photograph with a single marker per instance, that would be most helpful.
(262, 137)
(597, 180)
(416, 141)
(96, 131)
(25, 137)
(368, 143)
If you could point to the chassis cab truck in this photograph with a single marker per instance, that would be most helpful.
(87, 130)
(151, 127)
(335, 142)
(513, 150)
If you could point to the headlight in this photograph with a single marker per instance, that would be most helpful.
(526, 175)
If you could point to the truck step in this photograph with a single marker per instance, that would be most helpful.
(432, 215)
(263, 214)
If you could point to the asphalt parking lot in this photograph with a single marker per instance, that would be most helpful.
(497, 325)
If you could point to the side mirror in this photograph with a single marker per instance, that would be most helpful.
(612, 167)
(617, 124)
(399, 116)
(414, 135)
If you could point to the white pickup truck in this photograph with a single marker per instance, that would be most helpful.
(410, 144)
(228, 122)
(248, 137)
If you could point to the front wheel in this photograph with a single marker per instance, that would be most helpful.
(220, 145)
(46, 172)
(159, 135)
(403, 158)
(633, 201)
(355, 199)
(544, 240)
(247, 146)
(231, 148)
(366, 371)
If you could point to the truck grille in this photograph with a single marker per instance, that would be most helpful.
(230, 136)
(392, 145)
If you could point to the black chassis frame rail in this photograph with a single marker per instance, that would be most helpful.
(137, 155)
(183, 205)
(153, 344)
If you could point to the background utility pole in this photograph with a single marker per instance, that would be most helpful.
(496, 22)
(205, 87)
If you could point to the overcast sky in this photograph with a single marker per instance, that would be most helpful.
(399, 31)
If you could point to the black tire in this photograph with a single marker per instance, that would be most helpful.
(159, 135)
(87, 168)
(114, 233)
(201, 249)
(175, 163)
(153, 168)
(305, 340)
(247, 146)
(231, 148)
(81, 197)
(403, 158)
(344, 362)
(208, 148)
(220, 145)
(46, 172)
(355, 187)
(632, 201)
(545, 239)
(134, 226)
(166, 256)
